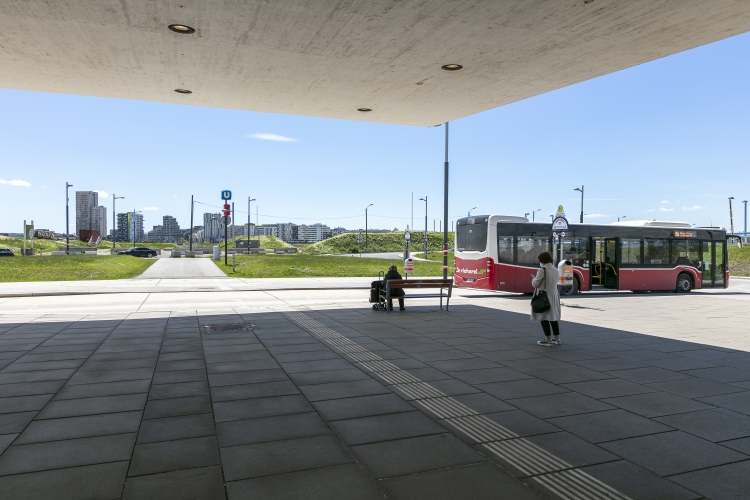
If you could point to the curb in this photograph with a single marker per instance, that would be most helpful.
(62, 294)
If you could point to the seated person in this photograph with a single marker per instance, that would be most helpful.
(395, 292)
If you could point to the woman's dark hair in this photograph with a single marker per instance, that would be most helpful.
(393, 268)
(545, 258)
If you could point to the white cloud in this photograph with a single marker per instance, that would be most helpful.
(16, 182)
(664, 201)
(103, 194)
(695, 207)
(595, 216)
(175, 196)
(272, 137)
(662, 209)
(150, 208)
(651, 210)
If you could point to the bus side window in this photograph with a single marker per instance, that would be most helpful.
(505, 249)
(656, 252)
(630, 251)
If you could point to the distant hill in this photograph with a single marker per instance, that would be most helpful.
(265, 241)
(378, 242)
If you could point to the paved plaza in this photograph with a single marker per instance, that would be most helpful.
(284, 393)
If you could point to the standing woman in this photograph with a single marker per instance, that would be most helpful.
(546, 279)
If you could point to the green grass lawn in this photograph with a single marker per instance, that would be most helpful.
(267, 242)
(48, 246)
(378, 242)
(739, 261)
(71, 268)
(316, 266)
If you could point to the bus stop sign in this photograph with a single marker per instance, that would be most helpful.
(560, 225)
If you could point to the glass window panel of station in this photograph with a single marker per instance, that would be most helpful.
(529, 248)
(685, 253)
(656, 252)
(576, 250)
(630, 251)
(505, 249)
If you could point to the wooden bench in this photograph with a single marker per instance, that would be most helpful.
(419, 284)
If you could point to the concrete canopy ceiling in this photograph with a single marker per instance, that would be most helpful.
(326, 58)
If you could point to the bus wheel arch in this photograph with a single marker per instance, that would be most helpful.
(684, 283)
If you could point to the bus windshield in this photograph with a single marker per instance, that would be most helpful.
(471, 237)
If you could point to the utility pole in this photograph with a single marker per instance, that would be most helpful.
(367, 248)
(425, 226)
(67, 219)
(745, 202)
(445, 207)
(581, 190)
(731, 220)
(248, 222)
(114, 221)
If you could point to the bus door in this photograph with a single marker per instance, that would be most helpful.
(707, 259)
(603, 263)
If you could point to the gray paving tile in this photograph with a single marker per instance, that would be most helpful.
(638, 483)
(648, 375)
(672, 452)
(365, 406)
(176, 377)
(184, 389)
(259, 430)
(680, 363)
(521, 388)
(172, 428)
(338, 390)
(306, 356)
(24, 403)
(37, 376)
(6, 440)
(489, 375)
(69, 453)
(242, 366)
(695, 387)
(412, 455)
(15, 422)
(42, 365)
(111, 376)
(103, 389)
(514, 354)
(480, 403)
(179, 356)
(477, 482)
(644, 355)
(657, 404)
(30, 388)
(442, 355)
(569, 375)
(455, 365)
(559, 405)
(93, 406)
(521, 423)
(608, 388)
(260, 407)
(609, 425)
(123, 364)
(722, 482)
(168, 456)
(338, 482)
(226, 357)
(251, 377)
(205, 483)
(103, 481)
(384, 427)
(327, 377)
(715, 425)
(277, 457)
(724, 374)
(739, 402)
(249, 391)
(608, 364)
(315, 366)
(160, 408)
(57, 429)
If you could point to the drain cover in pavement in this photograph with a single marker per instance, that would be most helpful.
(228, 327)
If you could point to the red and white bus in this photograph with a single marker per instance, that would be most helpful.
(497, 252)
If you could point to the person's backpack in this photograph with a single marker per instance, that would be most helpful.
(540, 301)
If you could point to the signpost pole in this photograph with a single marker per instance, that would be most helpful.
(24, 237)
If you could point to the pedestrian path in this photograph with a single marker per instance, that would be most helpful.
(167, 268)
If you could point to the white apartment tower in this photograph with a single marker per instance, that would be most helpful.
(85, 201)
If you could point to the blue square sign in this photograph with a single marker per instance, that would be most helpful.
(226, 195)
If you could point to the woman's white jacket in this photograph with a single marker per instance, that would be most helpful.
(550, 285)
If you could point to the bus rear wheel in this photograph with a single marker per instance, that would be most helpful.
(572, 289)
(684, 284)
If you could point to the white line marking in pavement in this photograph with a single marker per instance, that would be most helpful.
(557, 475)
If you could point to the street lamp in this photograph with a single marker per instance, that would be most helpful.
(114, 220)
(248, 222)
(534, 212)
(367, 248)
(623, 216)
(470, 211)
(67, 219)
(731, 220)
(745, 231)
(526, 215)
(581, 190)
(425, 226)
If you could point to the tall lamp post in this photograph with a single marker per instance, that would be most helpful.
(114, 220)
(581, 190)
(731, 220)
(425, 226)
(745, 231)
(534, 213)
(367, 248)
(623, 216)
(526, 215)
(248, 222)
(469, 214)
(67, 219)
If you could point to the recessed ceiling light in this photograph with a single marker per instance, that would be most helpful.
(452, 67)
(181, 29)
(364, 110)
(183, 91)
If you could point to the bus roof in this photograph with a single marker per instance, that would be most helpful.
(651, 223)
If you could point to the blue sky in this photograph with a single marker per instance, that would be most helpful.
(666, 140)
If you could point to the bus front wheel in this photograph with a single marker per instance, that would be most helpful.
(572, 289)
(684, 284)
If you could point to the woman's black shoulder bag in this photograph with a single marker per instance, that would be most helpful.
(540, 301)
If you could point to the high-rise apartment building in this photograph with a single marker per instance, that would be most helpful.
(99, 220)
(168, 231)
(91, 219)
(122, 227)
(212, 227)
(135, 226)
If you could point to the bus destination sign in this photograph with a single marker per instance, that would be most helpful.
(685, 234)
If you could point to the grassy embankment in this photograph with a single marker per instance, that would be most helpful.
(317, 266)
(71, 268)
(739, 261)
(267, 242)
(378, 242)
(47, 246)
